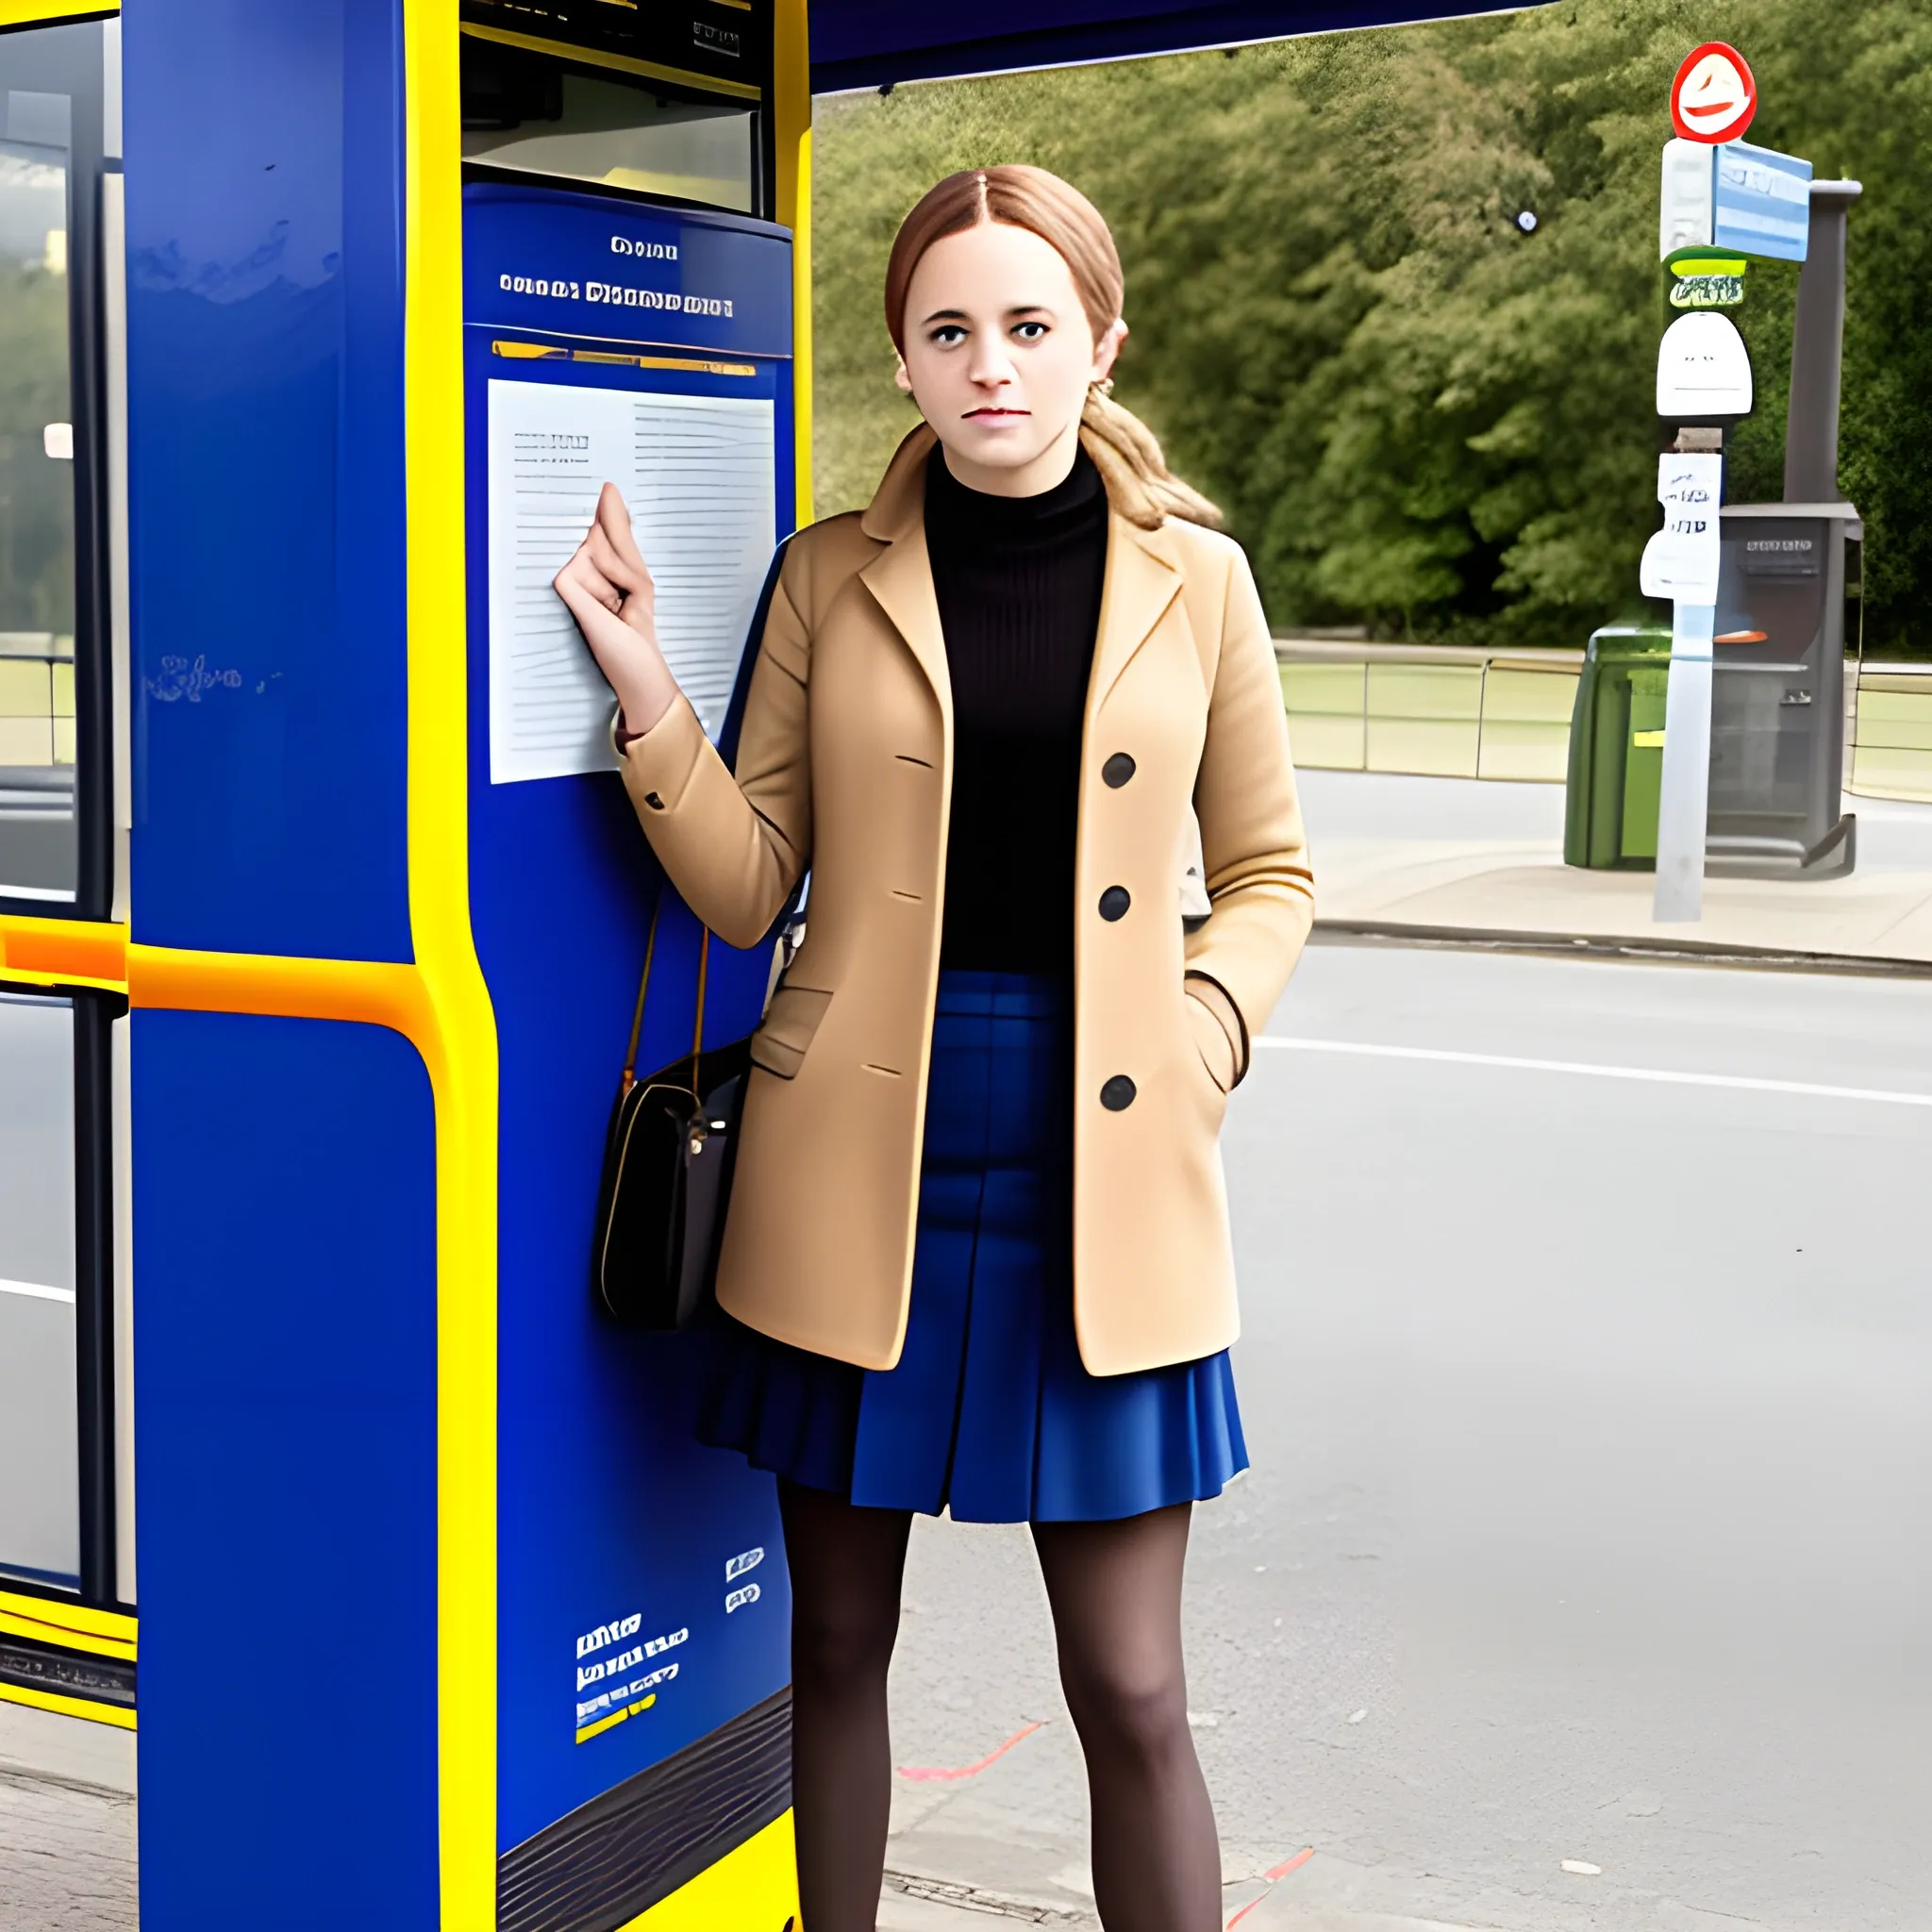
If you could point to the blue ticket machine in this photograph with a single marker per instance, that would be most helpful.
(323, 922)
(641, 1599)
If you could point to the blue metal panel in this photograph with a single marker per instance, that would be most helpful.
(286, 1337)
(609, 1509)
(871, 42)
(265, 310)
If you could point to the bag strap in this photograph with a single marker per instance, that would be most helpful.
(629, 1076)
(697, 1023)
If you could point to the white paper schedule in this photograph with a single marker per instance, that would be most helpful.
(697, 474)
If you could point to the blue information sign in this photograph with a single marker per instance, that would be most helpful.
(586, 265)
(1761, 203)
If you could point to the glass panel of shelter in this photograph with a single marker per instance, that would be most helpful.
(38, 848)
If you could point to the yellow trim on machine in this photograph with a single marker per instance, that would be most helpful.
(754, 1889)
(617, 63)
(71, 1626)
(376, 993)
(791, 126)
(45, 12)
(63, 952)
(118, 1715)
(464, 1062)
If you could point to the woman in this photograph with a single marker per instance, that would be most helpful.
(978, 1253)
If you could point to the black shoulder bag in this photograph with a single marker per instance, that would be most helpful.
(667, 1172)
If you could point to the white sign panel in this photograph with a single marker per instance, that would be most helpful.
(1702, 369)
(1685, 205)
(1680, 561)
(698, 475)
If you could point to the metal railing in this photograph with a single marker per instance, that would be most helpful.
(1442, 713)
(1429, 710)
(36, 700)
(1891, 732)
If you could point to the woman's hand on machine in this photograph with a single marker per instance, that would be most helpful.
(609, 591)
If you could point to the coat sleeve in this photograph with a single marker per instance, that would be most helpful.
(1254, 850)
(735, 845)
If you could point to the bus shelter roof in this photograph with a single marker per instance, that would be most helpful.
(877, 43)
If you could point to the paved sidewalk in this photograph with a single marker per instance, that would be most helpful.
(1452, 855)
(67, 1860)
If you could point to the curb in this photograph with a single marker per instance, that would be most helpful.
(1608, 946)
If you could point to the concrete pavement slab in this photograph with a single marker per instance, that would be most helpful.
(1463, 855)
(1485, 886)
(70, 1750)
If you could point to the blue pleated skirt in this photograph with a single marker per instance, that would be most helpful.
(988, 1413)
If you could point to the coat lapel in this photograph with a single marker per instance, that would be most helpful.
(900, 577)
(1143, 578)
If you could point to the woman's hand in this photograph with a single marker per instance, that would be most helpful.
(610, 593)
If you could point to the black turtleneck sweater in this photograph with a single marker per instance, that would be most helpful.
(1017, 580)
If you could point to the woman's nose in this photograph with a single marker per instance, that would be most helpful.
(990, 370)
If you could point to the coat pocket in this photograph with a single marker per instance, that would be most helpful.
(792, 1019)
(1220, 1055)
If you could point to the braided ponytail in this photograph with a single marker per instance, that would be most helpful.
(1140, 486)
(1138, 483)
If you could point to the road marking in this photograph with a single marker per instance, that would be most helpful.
(1272, 1879)
(37, 1292)
(1659, 1075)
(923, 1772)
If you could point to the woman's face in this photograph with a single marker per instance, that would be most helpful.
(998, 357)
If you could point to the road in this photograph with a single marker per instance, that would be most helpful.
(1591, 1515)
(1591, 1424)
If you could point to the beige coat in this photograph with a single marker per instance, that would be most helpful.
(844, 765)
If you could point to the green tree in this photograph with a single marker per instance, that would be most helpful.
(1420, 412)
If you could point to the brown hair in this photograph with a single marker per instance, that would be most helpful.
(1123, 448)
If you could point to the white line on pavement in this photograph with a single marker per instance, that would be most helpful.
(1658, 1074)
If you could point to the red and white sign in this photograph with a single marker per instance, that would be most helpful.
(1714, 97)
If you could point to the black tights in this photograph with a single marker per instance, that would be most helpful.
(1115, 1588)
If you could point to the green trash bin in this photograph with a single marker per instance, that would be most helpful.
(1617, 749)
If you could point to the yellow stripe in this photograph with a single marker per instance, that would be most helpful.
(41, 1630)
(63, 952)
(616, 1717)
(536, 352)
(462, 1059)
(24, 12)
(665, 362)
(792, 123)
(751, 1889)
(617, 63)
(76, 1618)
(374, 992)
(115, 1714)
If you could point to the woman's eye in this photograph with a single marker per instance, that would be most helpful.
(947, 335)
(1030, 331)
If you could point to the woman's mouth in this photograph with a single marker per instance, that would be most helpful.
(996, 415)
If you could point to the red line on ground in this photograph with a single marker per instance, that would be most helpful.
(1280, 1872)
(924, 1773)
